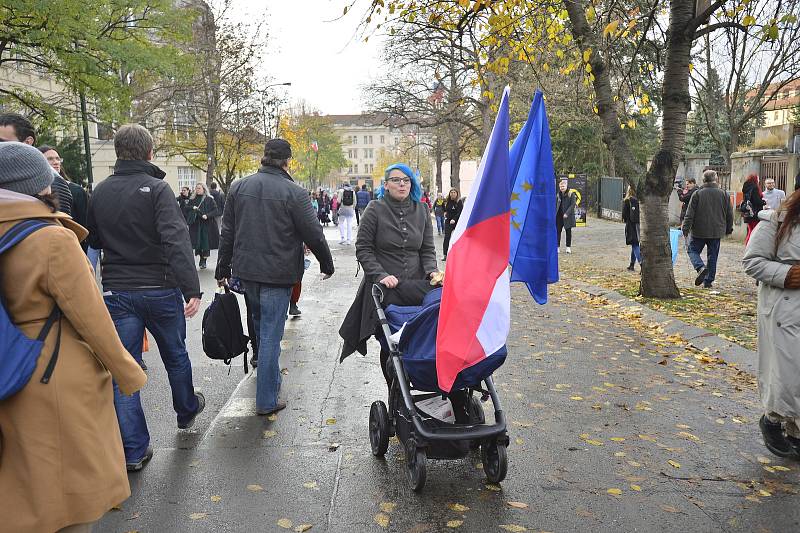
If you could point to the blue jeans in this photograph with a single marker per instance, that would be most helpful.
(94, 256)
(268, 307)
(440, 223)
(696, 245)
(636, 254)
(161, 312)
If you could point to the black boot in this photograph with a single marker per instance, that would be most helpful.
(775, 440)
(202, 263)
(630, 267)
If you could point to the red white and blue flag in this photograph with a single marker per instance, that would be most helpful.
(475, 313)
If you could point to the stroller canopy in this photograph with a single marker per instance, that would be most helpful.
(418, 346)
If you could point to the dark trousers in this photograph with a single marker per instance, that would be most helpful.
(696, 245)
(448, 230)
(358, 214)
(560, 226)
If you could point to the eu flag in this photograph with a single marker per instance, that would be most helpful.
(534, 248)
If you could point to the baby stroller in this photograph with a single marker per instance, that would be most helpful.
(412, 367)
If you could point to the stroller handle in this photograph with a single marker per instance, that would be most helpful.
(377, 293)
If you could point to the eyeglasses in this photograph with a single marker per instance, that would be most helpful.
(398, 181)
(55, 160)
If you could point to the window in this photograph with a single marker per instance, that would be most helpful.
(365, 139)
(366, 153)
(350, 170)
(187, 177)
(369, 153)
(383, 139)
(371, 168)
(775, 116)
(355, 139)
(355, 168)
(370, 139)
(396, 140)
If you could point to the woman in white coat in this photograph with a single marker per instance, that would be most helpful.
(773, 258)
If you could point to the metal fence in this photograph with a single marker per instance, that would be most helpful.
(610, 192)
(777, 169)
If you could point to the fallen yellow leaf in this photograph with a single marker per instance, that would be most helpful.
(637, 488)
(382, 519)
(454, 523)
(617, 439)
(457, 507)
(764, 493)
(285, 523)
(513, 527)
(763, 460)
(388, 507)
(493, 487)
(781, 468)
(676, 464)
(215, 499)
(614, 492)
(518, 505)
(670, 509)
(330, 421)
(310, 484)
(269, 434)
(255, 488)
(198, 516)
(302, 528)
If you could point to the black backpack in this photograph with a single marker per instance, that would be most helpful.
(223, 336)
(347, 197)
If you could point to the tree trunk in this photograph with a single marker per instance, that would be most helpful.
(455, 157)
(438, 156)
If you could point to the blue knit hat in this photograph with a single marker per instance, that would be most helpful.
(416, 188)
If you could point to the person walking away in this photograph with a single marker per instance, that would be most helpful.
(684, 195)
(202, 221)
(14, 127)
(773, 198)
(362, 200)
(62, 461)
(438, 212)
(147, 269)
(184, 202)
(315, 203)
(79, 208)
(709, 217)
(630, 216)
(752, 203)
(347, 213)
(269, 258)
(566, 201)
(452, 211)
(219, 200)
(335, 208)
(773, 258)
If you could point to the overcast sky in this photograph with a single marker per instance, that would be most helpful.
(316, 53)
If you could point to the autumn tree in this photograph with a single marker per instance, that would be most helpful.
(741, 67)
(635, 56)
(316, 147)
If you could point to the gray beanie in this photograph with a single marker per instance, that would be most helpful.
(23, 169)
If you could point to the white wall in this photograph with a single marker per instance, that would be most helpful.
(468, 171)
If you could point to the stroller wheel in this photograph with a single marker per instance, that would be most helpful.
(416, 459)
(495, 461)
(378, 429)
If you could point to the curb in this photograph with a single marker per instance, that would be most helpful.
(699, 338)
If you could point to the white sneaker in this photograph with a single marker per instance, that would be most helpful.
(349, 243)
(341, 243)
(569, 250)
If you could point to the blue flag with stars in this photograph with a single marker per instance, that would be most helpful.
(534, 247)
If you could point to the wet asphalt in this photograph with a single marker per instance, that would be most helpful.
(597, 423)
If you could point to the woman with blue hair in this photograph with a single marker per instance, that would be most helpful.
(395, 248)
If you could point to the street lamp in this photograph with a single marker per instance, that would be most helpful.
(264, 105)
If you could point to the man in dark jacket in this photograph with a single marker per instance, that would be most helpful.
(219, 199)
(267, 220)
(566, 201)
(709, 217)
(362, 200)
(14, 127)
(147, 269)
(685, 195)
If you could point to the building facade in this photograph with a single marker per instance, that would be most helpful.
(368, 142)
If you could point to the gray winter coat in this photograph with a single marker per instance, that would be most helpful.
(709, 215)
(778, 315)
(567, 203)
(267, 219)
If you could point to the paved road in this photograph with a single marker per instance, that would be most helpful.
(615, 426)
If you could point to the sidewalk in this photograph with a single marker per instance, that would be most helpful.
(615, 425)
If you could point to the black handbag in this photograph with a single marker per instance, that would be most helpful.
(223, 335)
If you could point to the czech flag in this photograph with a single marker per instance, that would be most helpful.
(315, 146)
(475, 313)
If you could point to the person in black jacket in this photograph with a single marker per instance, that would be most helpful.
(630, 216)
(184, 199)
(202, 221)
(147, 270)
(78, 202)
(452, 212)
(14, 127)
(685, 194)
(566, 201)
(752, 203)
(268, 256)
(219, 199)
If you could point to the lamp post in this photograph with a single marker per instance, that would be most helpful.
(264, 104)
